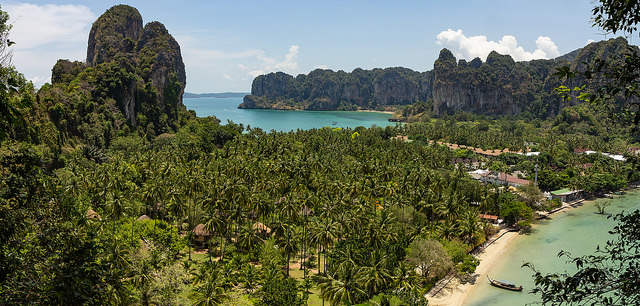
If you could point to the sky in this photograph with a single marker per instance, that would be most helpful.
(226, 44)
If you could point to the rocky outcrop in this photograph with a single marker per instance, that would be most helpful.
(64, 71)
(142, 68)
(116, 31)
(499, 86)
(487, 89)
(329, 90)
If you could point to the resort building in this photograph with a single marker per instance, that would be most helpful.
(490, 218)
(201, 236)
(618, 157)
(567, 195)
(502, 179)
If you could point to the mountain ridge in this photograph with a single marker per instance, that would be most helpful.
(498, 86)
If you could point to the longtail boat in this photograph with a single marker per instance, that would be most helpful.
(504, 284)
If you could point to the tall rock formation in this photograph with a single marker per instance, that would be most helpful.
(487, 89)
(499, 86)
(113, 33)
(151, 74)
(133, 79)
(329, 90)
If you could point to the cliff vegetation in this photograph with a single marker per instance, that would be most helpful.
(499, 86)
(133, 80)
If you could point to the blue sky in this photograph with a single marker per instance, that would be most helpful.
(225, 44)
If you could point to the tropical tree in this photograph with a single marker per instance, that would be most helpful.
(288, 242)
(211, 292)
(340, 287)
(248, 240)
(429, 257)
(469, 225)
(375, 277)
(323, 233)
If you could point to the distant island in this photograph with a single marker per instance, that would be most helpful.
(215, 95)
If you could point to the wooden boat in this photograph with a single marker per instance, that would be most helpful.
(504, 284)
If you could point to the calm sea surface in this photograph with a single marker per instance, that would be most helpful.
(227, 109)
(577, 231)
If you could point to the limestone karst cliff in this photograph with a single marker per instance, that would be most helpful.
(135, 71)
(329, 90)
(498, 86)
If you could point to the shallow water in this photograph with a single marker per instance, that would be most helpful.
(227, 109)
(577, 231)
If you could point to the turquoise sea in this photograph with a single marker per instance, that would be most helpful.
(577, 231)
(227, 109)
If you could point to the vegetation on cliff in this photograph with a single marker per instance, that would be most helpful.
(329, 90)
(499, 86)
(133, 81)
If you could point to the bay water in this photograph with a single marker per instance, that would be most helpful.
(227, 109)
(578, 231)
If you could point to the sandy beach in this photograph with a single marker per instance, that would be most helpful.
(375, 111)
(455, 293)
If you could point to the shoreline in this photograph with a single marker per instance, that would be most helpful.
(457, 294)
(374, 111)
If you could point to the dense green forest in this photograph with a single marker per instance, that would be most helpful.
(340, 215)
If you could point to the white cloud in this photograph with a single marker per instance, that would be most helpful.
(209, 68)
(45, 33)
(35, 25)
(288, 65)
(479, 46)
(40, 80)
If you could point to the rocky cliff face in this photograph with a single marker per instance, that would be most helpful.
(487, 89)
(147, 63)
(329, 90)
(116, 31)
(496, 87)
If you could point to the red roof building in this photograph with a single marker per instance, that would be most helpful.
(502, 178)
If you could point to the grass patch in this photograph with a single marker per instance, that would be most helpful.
(198, 257)
(314, 295)
(314, 298)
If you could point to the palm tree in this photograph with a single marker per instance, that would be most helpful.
(405, 277)
(344, 289)
(211, 292)
(248, 239)
(469, 224)
(216, 222)
(323, 233)
(249, 276)
(374, 278)
(289, 244)
(447, 229)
